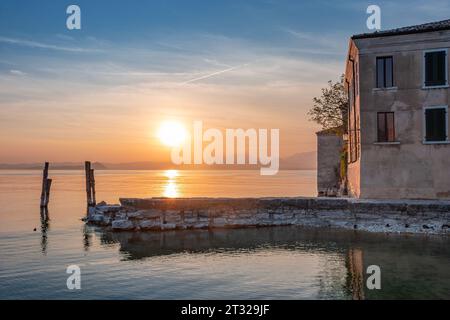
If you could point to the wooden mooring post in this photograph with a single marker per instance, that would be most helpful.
(90, 184)
(87, 169)
(46, 185)
(92, 179)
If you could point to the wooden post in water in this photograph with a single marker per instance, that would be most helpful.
(44, 197)
(48, 185)
(87, 169)
(92, 181)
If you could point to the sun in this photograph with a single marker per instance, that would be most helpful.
(172, 133)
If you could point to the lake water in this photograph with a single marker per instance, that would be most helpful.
(262, 263)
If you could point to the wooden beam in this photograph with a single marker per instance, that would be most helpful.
(48, 185)
(92, 181)
(44, 184)
(87, 169)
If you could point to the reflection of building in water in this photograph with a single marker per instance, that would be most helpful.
(341, 255)
(331, 262)
(138, 245)
(355, 267)
(45, 225)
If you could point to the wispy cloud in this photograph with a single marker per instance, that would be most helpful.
(17, 72)
(317, 41)
(41, 45)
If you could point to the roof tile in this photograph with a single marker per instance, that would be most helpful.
(426, 27)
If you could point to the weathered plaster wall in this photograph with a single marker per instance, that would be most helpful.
(354, 165)
(408, 169)
(353, 179)
(329, 147)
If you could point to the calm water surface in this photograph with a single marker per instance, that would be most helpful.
(263, 263)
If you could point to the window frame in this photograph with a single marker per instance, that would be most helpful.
(424, 124)
(424, 69)
(386, 127)
(353, 132)
(384, 72)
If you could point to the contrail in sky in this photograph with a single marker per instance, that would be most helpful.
(35, 44)
(216, 73)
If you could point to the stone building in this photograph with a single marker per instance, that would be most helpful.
(397, 83)
(329, 149)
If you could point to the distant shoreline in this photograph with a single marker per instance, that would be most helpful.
(169, 168)
(298, 161)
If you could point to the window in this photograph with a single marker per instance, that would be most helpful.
(436, 68)
(385, 74)
(353, 117)
(436, 124)
(386, 127)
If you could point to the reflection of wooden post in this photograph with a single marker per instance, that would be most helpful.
(92, 182)
(87, 168)
(44, 228)
(356, 272)
(44, 197)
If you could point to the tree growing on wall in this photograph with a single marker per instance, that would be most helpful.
(330, 109)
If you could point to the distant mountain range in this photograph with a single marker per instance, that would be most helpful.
(298, 161)
(55, 165)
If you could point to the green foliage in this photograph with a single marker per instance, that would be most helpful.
(330, 109)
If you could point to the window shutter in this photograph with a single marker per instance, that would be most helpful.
(428, 69)
(445, 68)
(440, 67)
(446, 121)
(435, 68)
(425, 138)
(436, 124)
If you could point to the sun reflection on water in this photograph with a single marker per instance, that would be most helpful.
(171, 174)
(171, 187)
(170, 190)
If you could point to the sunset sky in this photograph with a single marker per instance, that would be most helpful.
(101, 92)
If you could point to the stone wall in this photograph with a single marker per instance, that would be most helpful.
(329, 147)
(196, 213)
